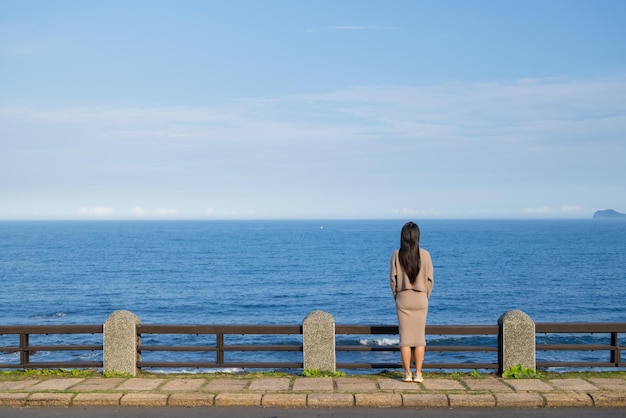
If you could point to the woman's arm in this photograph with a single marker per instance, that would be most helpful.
(393, 274)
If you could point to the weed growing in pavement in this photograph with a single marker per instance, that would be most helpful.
(520, 372)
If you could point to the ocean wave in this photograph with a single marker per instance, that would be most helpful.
(9, 357)
(379, 342)
(53, 315)
(230, 370)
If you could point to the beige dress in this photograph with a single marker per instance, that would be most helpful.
(412, 299)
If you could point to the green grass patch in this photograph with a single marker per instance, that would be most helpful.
(321, 373)
(50, 373)
(583, 374)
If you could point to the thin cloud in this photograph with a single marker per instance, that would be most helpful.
(416, 212)
(351, 28)
(159, 213)
(543, 210)
(571, 209)
(362, 27)
(538, 211)
(137, 211)
(166, 212)
(229, 213)
(542, 110)
(95, 211)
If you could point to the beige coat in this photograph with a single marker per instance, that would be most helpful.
(424, 282)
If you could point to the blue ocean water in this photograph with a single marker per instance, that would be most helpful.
(276, 272)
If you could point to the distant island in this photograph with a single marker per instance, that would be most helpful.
(608, 214)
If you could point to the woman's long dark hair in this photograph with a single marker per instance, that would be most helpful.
(409, 254)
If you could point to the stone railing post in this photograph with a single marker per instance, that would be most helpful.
(516, 341)
(120, 343)
(318, 342)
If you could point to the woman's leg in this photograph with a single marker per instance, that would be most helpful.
(419, 358)
(419, 361)
(405, 354)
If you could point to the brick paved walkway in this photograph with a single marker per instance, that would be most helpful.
(297, 391)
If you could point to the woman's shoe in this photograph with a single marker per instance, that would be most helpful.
(418, 378)
(407, 377)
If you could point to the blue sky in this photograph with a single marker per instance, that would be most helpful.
(312, 109)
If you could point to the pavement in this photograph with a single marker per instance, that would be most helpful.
(294, 391)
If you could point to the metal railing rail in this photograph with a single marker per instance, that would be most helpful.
(612, 331)
(25, 348)
(430, 330)
(220, 347)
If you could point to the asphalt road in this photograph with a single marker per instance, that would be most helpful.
(243, 412)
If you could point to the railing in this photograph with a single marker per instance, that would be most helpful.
(439, 330)
(609, 331)
(26, 346)
(34, 338)
(219, 347)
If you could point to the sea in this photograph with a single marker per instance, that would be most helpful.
(278, 271)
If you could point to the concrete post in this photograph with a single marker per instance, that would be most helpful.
(318, 342)
(120, 343)
(516, 341)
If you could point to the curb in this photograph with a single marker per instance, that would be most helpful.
(324, 400)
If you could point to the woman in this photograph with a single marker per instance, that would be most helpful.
(412, 280)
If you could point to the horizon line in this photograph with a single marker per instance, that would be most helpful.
(298, 219)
